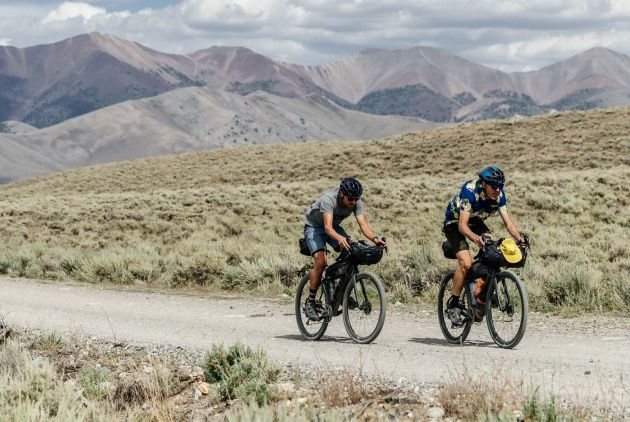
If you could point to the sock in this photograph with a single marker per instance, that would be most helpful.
(311, 294)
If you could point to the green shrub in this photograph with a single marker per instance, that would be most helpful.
(547, 410)
(240, 373)
(92, 381)
(573, 285)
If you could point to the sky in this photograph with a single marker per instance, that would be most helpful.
(517, 35)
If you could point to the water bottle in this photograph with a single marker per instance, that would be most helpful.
(472, 290)
(478, 292)
(479, 298)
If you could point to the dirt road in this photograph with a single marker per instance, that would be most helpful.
(587, 356)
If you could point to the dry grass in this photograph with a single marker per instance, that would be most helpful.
(345, 388)
(230, 219)
(77, 379)
(497, 397)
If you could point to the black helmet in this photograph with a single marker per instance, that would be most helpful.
(492, 174)
(351, 187)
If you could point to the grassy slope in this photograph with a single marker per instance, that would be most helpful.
(231, 218)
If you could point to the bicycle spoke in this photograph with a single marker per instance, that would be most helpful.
(451, 333)
(311, 330)
(362, 319)
(365, 312)
(508, 310)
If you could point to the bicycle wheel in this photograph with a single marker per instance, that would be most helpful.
(364, 307)
(506, 309)
(452, 334)
(311, 330)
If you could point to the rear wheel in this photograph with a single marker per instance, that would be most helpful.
(364, 307)
(506, 309)
(452, 334)
(311, 330)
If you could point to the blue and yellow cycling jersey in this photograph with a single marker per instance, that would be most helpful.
(473, 199)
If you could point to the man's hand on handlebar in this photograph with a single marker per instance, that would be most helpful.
(343, 243)
(381, 243)
(523, 241)
(479, 240)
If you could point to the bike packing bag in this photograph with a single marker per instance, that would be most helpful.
(337, 269)
(521, 263)
(447, 250)
(362, 254)
(304, 250)
(491, 255)
(478, 270)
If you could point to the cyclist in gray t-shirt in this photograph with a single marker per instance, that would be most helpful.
(322, 225)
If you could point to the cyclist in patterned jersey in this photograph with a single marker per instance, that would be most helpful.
(465, 216)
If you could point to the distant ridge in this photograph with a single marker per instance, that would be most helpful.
(47, 84)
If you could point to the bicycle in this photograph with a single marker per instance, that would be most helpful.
(506, 305)
(360, 295)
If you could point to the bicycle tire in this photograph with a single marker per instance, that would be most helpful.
(364, 307)
(454, 335)
(504, 306)
(301, 294)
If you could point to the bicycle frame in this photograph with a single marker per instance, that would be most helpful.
(336, 300)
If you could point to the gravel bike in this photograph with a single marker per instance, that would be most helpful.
(502, 299)
(358, 295)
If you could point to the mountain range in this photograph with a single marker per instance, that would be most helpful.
(96, 98)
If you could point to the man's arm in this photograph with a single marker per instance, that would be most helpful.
(462, 225)
(509, 225)
(367, 230)
(328, 226)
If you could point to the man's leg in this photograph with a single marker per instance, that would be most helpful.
(319, 260)
(316, 240)
(464, 262)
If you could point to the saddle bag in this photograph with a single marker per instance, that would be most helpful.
(448, 251)
(304, 250)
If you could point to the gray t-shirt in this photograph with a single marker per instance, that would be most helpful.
(328, 203)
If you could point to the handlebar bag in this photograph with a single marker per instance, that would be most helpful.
(362, 254)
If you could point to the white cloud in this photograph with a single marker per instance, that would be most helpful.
(5, 41)
(68, 10)
(514, 35)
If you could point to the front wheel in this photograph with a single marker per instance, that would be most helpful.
(311, 330)
(453, 334)
(364, 307)
(506, 309)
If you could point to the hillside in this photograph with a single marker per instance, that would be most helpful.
(191, 120)
(230, 218)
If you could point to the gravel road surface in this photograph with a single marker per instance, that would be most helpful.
(583, 357)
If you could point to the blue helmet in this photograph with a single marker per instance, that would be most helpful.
(351, 187)
(492, 174)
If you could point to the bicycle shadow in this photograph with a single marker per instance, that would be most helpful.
(442, 342)
(324, 339)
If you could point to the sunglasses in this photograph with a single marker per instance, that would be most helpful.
(496, 186)
(352, 198)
